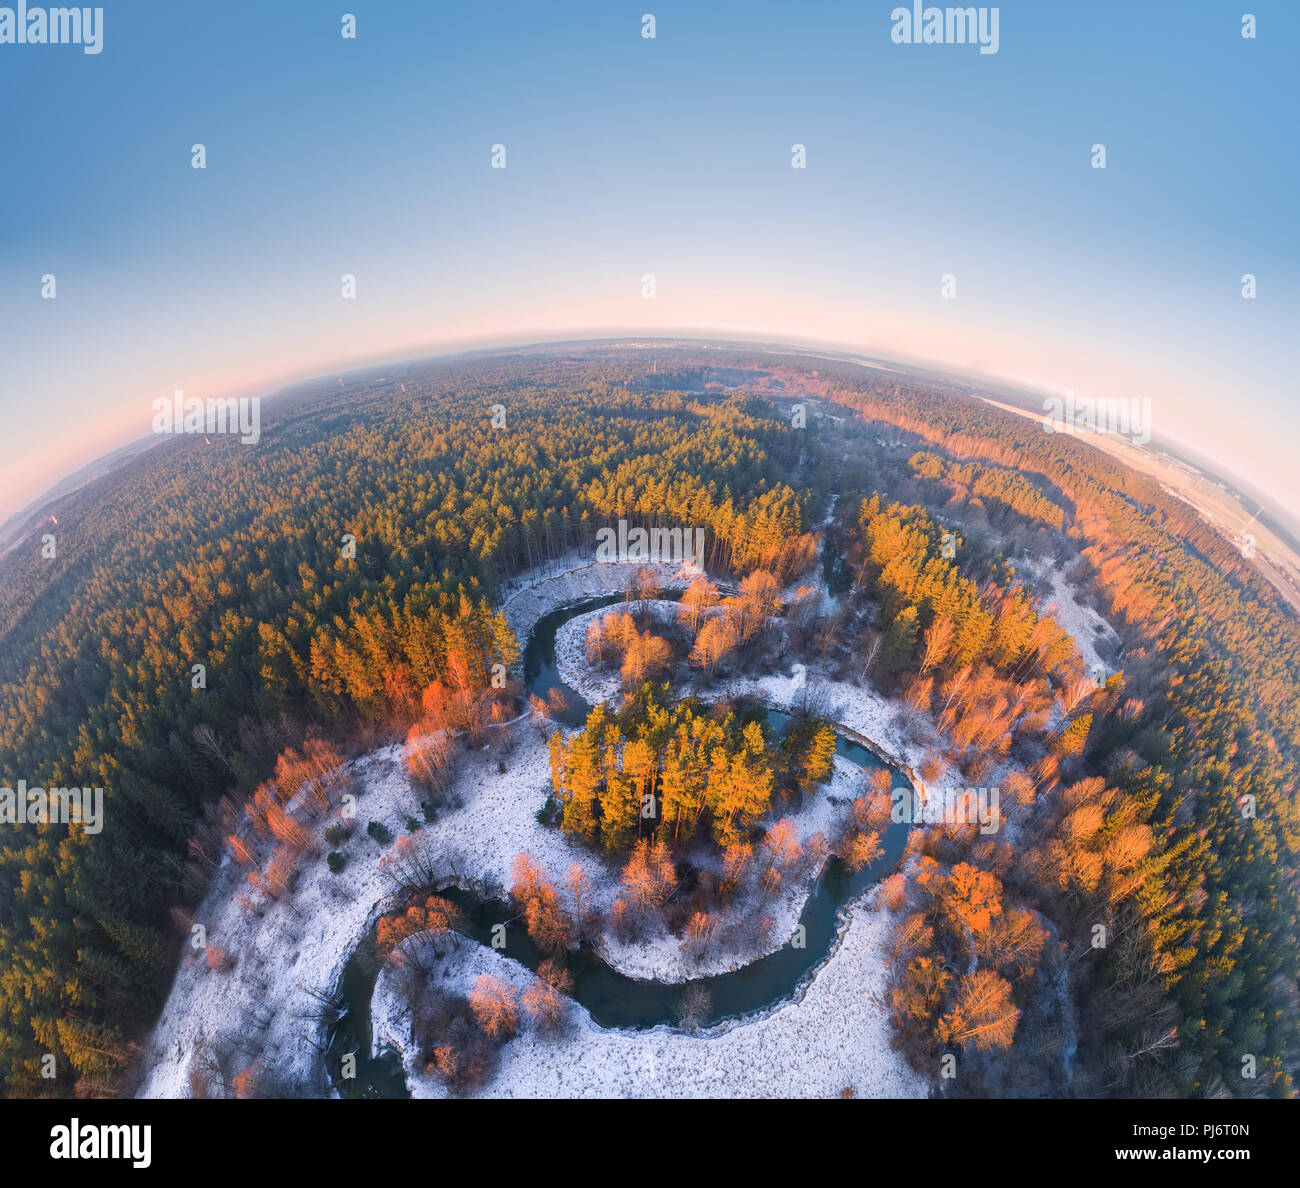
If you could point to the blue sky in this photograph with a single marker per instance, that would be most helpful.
(627, 156)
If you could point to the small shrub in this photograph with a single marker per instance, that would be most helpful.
(380, 832)
(335, 861)
(549, 813)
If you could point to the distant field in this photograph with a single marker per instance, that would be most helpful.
(1274, 558)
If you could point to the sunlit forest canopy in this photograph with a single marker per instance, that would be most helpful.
(206, 552)
(327, 579)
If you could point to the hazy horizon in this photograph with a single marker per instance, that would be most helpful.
(280, 386)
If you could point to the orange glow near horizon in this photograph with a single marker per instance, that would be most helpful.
(966, 349)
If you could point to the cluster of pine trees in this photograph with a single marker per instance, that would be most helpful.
(937, 618)
(956, 952)
(673, 771)
(975, 483)
(712, 631)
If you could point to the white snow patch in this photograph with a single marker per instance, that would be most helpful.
(1084, 624)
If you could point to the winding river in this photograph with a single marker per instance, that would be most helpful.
(614, 999)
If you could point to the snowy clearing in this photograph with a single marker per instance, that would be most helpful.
(834, 1035)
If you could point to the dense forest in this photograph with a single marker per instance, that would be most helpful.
(1197, 993)
(325, 578)
(222, 626)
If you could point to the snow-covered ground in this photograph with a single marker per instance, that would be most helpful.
(1083, 623)
(302, 943)
(532, 598)
(834, 1036)
(659, 956)
(592, 683)
(296, 945)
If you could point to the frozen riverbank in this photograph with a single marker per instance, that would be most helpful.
(834, 1035)
(299, 944)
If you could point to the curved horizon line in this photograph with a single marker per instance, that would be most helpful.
(488, 346)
